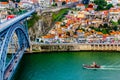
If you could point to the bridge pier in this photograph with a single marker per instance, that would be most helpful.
(30, 49)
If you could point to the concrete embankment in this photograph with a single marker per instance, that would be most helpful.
(74, 47)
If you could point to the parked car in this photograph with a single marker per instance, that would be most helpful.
(10, 17)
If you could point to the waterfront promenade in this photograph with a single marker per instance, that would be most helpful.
(74, 47)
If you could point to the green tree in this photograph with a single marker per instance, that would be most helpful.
(100, 7)
(101, 4)
(97, 29)
(63, 3)
(115, 28)
(119, 21)
(3, 0)
(114, 23)
(54, 4)
(68, 33)
(104, 31)
(34, 18)
(118, 4)
(105, 25)
(15, 0)
(42, 41)
(109, 6)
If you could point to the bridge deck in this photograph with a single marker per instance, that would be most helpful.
(10, 22)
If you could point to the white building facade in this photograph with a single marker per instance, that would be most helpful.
(45, 3)
(114, 2)
(4, 5)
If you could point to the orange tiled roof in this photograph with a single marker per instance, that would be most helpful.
(117, 32)
(49, 36)
(99, 33)
(114, 32)
(93, 31)
(3, 2)
(88, 33)
(105, 12)
(88, 9)
(58, 23)
(64, 36)
(75, 36)
(80, 5)
(79, 30)
(114, 10)
(20, 3)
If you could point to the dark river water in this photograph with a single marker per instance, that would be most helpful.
(68, 66)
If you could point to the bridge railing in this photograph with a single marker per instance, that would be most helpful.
(10, 22)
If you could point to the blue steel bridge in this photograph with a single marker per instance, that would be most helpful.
(14, 39)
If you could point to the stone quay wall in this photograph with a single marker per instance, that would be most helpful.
(74, 47)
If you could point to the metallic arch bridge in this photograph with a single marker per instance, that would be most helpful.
(14, 40)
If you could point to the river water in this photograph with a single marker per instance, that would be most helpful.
(68, 66)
